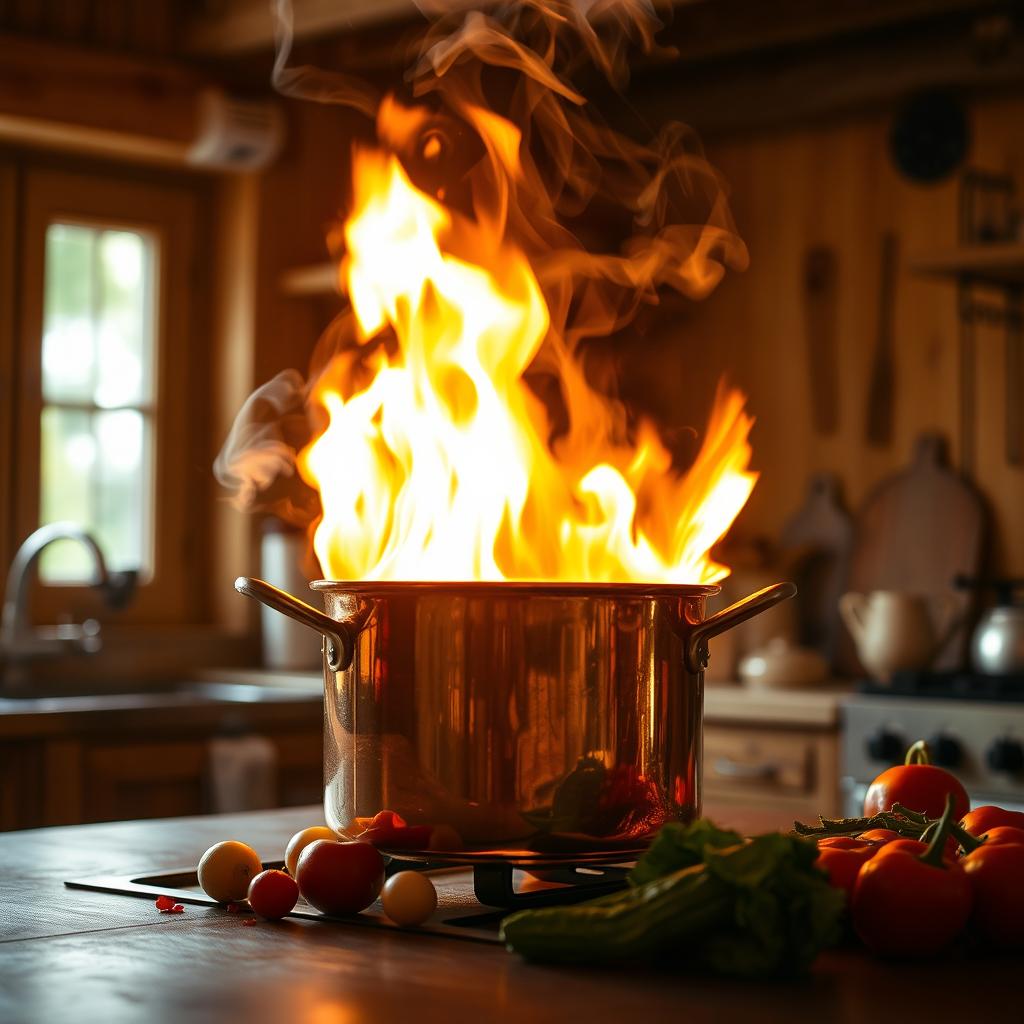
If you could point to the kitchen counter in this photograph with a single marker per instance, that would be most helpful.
(151, 710)
(101, 957)
(806, 707)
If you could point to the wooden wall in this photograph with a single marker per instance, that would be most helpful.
(835, 185)
(793, 188)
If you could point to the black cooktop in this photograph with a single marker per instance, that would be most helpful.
(948, 686)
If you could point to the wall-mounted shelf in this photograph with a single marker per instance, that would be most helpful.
(998, 263)
(314, 279)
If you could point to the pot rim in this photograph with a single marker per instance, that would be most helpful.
(515, 588)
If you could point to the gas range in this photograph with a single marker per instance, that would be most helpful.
(974, 726)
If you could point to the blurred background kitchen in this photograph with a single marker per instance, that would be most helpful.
(163, 250)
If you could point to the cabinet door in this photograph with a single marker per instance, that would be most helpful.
(300, 768)
(792, 771)
(143, 780)
(21, 785)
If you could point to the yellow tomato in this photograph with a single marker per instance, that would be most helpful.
(408, 898)
(301, 840)
(226, 870)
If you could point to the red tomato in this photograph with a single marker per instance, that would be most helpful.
(272, 894)
(902, 906)
(842, 863)
(840, 843)
(981, 819)
(387, 819)
(404, 837)
(1004, 835)
(905, 845)
(916, 848)
(918, 787)
(880, 835)
(995, 873)
(340, 878)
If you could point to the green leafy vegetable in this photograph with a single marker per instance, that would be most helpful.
(751, 909)
(680, 846)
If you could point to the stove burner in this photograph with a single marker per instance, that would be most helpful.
(948, 686)
(494, 885)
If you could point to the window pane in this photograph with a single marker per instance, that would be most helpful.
(68, 351)
(98, 321)
(68, 458)
(124, 320)
(98, 355)
(95, 472)
(122, 515)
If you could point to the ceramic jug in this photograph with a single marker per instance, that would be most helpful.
(895, 631)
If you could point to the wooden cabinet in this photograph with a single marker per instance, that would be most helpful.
(774, 749)
(794, 771)
(300, 769)
(21, 784)
(124, 781)
(104, 777)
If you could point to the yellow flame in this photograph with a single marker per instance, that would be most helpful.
(435, 462)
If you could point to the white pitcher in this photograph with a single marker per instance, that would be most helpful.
(894, 631)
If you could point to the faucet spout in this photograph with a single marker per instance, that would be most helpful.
(18, 639)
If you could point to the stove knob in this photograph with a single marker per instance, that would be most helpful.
(1006, 756)
(946, 751)
(885, 746)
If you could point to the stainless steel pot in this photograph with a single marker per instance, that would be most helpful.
(535, 722)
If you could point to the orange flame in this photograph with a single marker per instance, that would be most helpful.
(439, 467)
(422, 432)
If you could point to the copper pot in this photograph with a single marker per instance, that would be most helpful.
(535, 721)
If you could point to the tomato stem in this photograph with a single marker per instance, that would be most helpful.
(917, 817)
(918, 754)
(898, 820)
(967, 840)
(908, 823)
(937, 843)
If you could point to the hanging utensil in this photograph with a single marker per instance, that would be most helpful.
(821, 310)
(881, 390)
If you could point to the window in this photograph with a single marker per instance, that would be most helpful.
(98, 373)
(109, 424)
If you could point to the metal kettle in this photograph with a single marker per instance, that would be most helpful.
(997, 644)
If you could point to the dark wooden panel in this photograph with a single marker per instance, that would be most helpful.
(144, 780)
(21, 785)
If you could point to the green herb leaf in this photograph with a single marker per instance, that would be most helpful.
(681, 846)
(701, 896)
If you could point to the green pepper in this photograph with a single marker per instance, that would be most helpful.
(756, 908)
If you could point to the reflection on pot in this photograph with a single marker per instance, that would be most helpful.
(554, 719)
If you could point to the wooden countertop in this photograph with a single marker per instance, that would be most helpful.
(811, 707)
(84, 956)
(152, 711)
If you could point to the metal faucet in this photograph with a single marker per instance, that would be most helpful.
(19, 639)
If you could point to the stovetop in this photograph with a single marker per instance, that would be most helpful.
(973, 724)
(472, 899)
(948, 686)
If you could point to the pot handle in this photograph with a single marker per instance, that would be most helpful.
(339, 638)
(699, 633)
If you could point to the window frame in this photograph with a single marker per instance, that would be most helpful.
(170, 212)
(8, 345)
